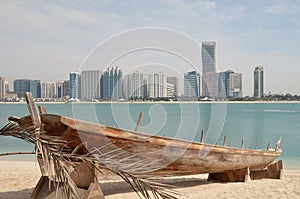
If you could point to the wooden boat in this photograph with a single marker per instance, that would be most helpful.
(171, 156)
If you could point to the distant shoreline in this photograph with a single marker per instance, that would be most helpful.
(165, 102)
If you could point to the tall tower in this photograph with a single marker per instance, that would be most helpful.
(75, 85)
(90, 84)
(208, 57)
(21, 86)
(112, 84)
(173, 80)
(2, 88)
(209, 76)
(35, 88)
(258, 81)
(191, 84)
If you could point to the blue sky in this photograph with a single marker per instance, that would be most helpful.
(48, 39)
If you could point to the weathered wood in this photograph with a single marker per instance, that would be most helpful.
(202, 136)
(17, 153)
(95, 191)
(137, 128)
(273, 171)
(32, 110)
(45, 189)
(42, 110)
(37, 190)
(224, 141)
(269, 146)
(174, 157)
(239, 175)
(242, 145)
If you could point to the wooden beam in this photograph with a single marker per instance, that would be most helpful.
(139, 122)
(224, 141)
(36, 121)
(42, 110)
(202, 136)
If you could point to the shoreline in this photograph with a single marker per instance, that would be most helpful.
(166, 102)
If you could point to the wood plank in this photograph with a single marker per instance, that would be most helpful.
(137, 128)
(36, 121)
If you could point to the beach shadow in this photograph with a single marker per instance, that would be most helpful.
(25, 193)
(109, 188)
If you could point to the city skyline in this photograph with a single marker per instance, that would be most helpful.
(46, 40)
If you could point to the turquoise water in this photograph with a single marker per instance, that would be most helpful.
(262, 122)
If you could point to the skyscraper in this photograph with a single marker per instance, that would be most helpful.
(111, 84)
(75, 85)
(35, 88)
(66, 88)
(90, 84)
(210, 85)
(208, 57)
(224, 83)
(173, 80)
(158, 85)
(235, 82)
(209, 81)
(135, 84)
(21, 86)
(59, 89)
(191, 84)
(2, 88)
(48, 90)
(258, 81)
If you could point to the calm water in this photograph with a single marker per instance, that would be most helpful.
(264, 122)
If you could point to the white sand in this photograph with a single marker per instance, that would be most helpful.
(17, 180)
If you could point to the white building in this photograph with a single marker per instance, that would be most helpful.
(134, 85)
(90, 84)
(157, 85)
(235, 82)
(48, 90)
(2, 88)
(173, 80)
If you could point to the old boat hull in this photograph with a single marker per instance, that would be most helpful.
(157, 155)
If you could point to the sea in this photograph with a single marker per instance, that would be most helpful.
(257, 124)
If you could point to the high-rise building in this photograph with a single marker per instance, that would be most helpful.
(235, 85)
(170, 90)
(157, 85)
(59, 89)
(21, 86)
(135, 85)
(90, 84)
(6, 83)
(192, 84)
(2, 88)
(48, 90)
(208, 57)
(258, 81)
(224, 83)
(66, 88)
(210, 85)
(75, 85)
(209, 75)
(173, 80)
(111, 84)
(35, 88)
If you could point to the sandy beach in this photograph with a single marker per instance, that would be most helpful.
(17, 180)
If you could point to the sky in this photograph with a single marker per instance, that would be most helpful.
(48, 39)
